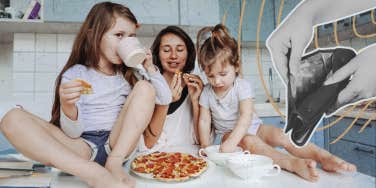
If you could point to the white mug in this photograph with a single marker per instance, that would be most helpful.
(131, 52)
(219, 158)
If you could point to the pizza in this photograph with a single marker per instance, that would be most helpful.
(87, 87)
(169, 166)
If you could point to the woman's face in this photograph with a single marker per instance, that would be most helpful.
(110, 40)
(172, 53)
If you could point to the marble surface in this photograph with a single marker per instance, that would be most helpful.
(267, 109)
(220, 177)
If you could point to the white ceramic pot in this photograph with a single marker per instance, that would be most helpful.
(219, 158)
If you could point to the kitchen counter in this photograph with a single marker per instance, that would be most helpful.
(267, 110)
(217, 177)
(367, 114)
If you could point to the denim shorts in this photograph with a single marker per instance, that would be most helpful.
(99, 144)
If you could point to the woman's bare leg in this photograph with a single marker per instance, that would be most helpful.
(306, 168)
(47, 144)
(132, 121)
(275, 137)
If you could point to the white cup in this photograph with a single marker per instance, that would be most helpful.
(131, 52)
(220, 158)
(253, 167)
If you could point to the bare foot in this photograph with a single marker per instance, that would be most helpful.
(332, 163)
(115, 167)
(105, 179)
(306, 168)
(114, 183)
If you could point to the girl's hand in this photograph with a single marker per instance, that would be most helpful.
(148, 62)
(70, 93)
(194, 84)
(176, 87)
(227, 148)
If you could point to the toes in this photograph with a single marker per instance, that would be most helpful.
(311, 163)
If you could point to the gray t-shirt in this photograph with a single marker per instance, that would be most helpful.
(225, 110)
(100, 110)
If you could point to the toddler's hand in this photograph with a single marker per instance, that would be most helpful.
(227, 148)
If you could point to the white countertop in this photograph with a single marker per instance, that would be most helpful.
(221, 177)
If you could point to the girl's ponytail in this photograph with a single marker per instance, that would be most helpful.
(216, 41)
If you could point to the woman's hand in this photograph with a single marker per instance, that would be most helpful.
(148, 62)
(194, 84)
(176, 87)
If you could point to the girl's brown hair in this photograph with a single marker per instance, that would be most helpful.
(217, 44)
(86, 47)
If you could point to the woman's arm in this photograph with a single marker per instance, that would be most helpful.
(154, 130)
(196, 115)
(241, 127)
(204, 127)
(195, 86)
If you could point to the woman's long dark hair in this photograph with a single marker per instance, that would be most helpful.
(86, 47)
(190, 64)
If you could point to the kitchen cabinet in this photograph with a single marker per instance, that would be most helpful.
(317, 138)
(357, 148)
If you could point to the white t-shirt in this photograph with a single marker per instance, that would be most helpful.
(225, 110)
(178, 130)
(100, 110)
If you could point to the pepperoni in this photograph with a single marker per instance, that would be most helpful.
(140, 169)
(150, 165)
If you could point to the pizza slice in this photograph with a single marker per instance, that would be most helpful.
(87, 87)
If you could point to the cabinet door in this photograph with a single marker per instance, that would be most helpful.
(317, 138)
(275, 121)
(363, 156)
(67, 10)
(5, 146)
(368, 136)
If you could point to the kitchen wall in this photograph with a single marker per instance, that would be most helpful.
(32, 61)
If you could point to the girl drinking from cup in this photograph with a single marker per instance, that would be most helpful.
(226, 102)
(91, 135)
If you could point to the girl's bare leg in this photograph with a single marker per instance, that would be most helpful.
(44, 142)
(275, 137)
(306, 168)
(132, 121)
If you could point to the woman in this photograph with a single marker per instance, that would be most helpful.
(175, 124)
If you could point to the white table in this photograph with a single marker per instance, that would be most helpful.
(220, 177)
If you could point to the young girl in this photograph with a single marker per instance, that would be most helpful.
(226, 102)
(102, 128)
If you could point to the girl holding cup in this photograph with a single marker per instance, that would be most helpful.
(90, 136)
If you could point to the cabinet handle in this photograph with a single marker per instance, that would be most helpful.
(360, 124)
(364, 149)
